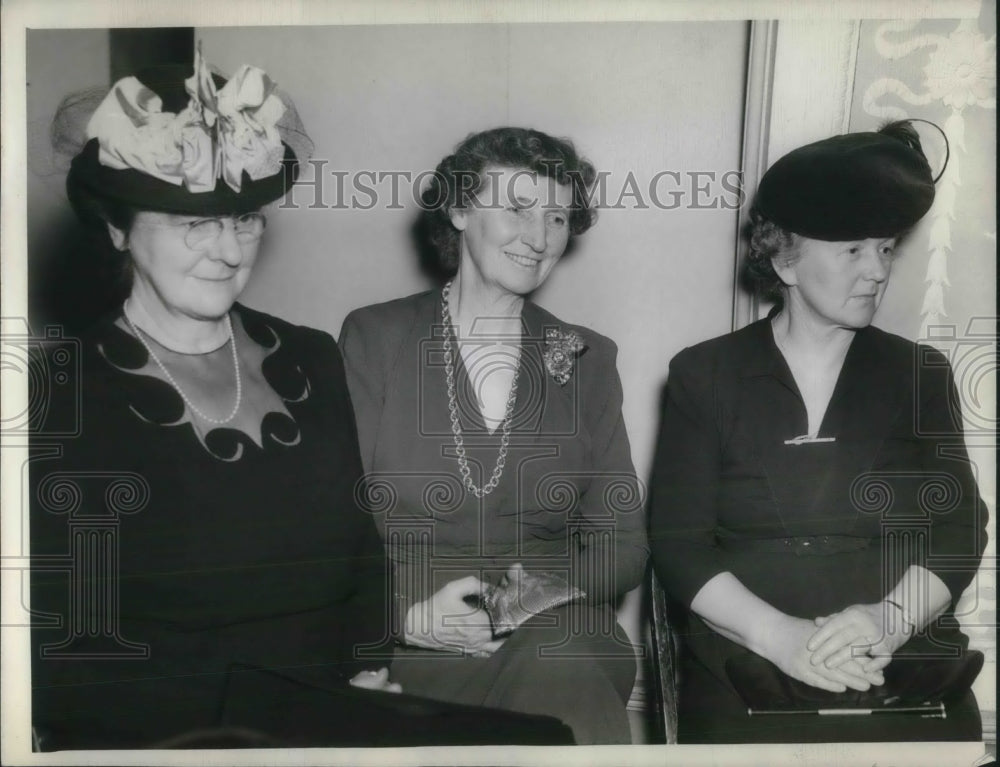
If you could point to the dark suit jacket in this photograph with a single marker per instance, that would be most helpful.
(812, 527)
(568, 498)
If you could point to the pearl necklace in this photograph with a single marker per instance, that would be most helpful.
(456, 426)
(173, 382)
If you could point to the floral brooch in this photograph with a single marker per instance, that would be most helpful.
(562, 347)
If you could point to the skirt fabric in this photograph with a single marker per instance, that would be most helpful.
(581, 674)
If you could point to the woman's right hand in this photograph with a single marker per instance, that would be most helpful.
(375, 680)
(786, 647)
(447, 622)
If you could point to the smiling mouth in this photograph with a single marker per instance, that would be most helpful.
(524, 261)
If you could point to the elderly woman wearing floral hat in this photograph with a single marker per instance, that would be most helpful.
(239, 552)
(498, 463)
(813, 505)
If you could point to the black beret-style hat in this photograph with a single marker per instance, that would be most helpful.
(132, 183)
(850, 187)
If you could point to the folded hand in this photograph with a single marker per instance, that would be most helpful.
(859, 633)
(786, 647)
(447, 621)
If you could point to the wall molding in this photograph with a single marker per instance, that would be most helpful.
(800, 86)
(753, 160)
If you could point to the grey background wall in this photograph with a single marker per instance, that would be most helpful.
(52, 256)
(635, 98)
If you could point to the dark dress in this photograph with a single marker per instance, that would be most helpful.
(164, 566)
(810, 528)
(568, 501)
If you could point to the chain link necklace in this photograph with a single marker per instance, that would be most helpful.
(173, 382)
(456, 426)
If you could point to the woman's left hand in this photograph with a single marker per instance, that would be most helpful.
(376, 680)
(856, 632)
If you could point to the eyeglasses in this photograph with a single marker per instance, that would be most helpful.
(203, 233)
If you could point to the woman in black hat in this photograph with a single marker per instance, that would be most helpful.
(206, 498)
(813, 506)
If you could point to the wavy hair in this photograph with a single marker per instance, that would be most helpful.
(460, 176)
(767, 241)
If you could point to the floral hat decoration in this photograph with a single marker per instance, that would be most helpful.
(182, 142)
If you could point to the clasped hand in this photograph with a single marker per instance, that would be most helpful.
(860, 632)
(845, 650)
(447, 621)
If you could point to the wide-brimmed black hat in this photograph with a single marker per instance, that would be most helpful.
(850, 187)
(139, 189)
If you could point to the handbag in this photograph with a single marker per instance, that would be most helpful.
(524, 593)
(916, 684)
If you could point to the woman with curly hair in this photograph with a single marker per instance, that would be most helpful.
(498, 464)
(790, 512)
